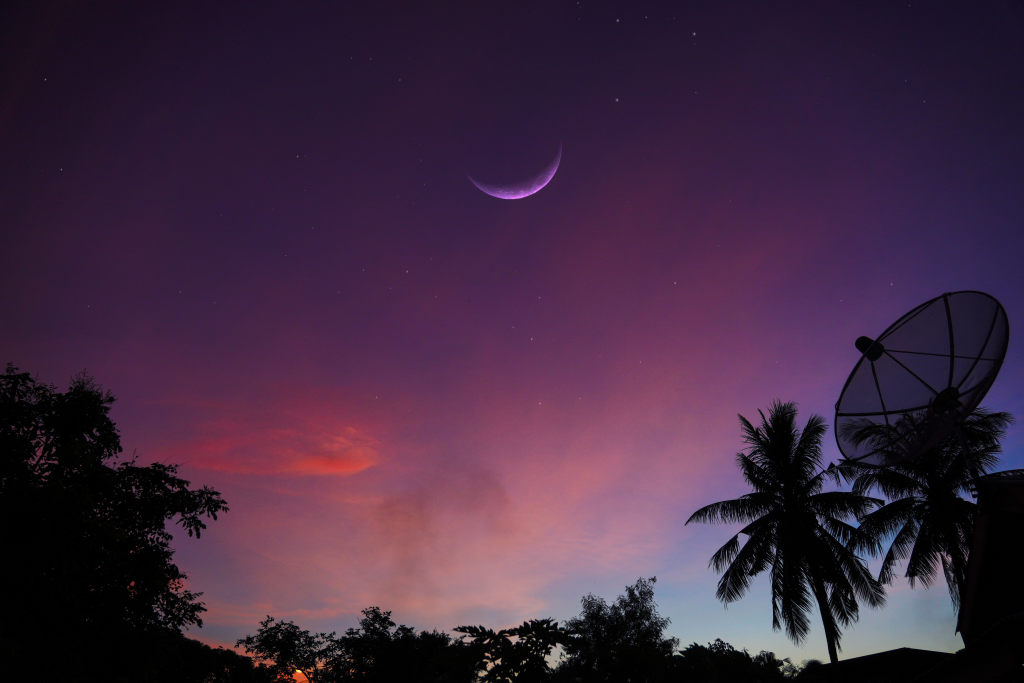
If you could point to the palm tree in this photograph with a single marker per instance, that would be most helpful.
(930, 520)
(795, 531)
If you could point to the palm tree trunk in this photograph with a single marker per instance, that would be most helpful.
(826, 619)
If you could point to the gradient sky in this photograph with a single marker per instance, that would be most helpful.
(253, 224)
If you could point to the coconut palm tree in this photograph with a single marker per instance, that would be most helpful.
(930, 519)
(794, 530)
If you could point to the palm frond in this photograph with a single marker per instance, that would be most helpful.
(759, 478)
(795, 599)
(838, 529)
(924, 556)
(725, 555)
(738, 510)
(886, 520)
(807, 454)
(842, 504)
(855, 576)
(893, 482)
(900, 548)
(752, 559)
(954, 579)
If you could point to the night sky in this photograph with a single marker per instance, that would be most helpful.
(253, 223)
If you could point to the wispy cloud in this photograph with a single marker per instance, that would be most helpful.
(251, 441)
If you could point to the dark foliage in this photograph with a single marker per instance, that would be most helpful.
(517, 654)
(379, 651)
(175, 658)
(621, 641)
(88, 563)
(288, 649)
(630, 630)
(796, 531)
(151, 656)
(929, 521)
(719, 662)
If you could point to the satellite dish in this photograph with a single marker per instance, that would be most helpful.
(914, 385)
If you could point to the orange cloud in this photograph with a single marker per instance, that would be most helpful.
(287, 444)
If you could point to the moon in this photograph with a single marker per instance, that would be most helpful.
(524, 188)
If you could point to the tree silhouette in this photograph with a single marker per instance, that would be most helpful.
(929, 522)
(618, 642)
(94, 569)
(720, 662)
(381, 651)
(291, 649)
(190, 661)
(795, 531)
(378, 651)
(523, 659)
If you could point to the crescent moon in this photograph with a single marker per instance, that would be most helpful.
(524, 188)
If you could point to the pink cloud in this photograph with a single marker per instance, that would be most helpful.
(279, 441)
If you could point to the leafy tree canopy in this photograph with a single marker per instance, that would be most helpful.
(290, 649)
(618, 641)
(94, 565)
(720, 662)
(378, 651)
(517, 654)
(381, 651)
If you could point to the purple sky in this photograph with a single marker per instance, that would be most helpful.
(254, 225)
